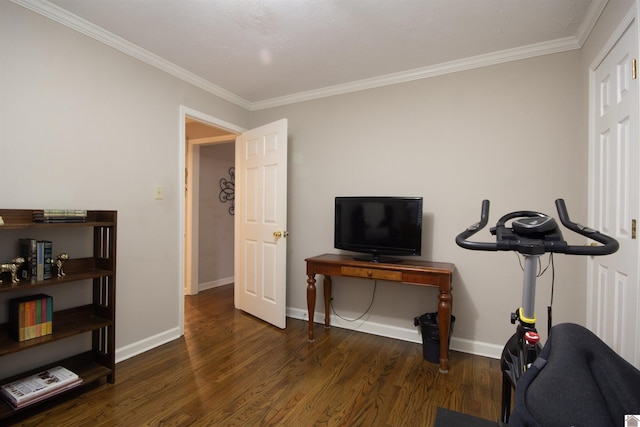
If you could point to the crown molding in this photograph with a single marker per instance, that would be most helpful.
(85, 27)
(590, 20)
(465, 64)
(508, 55)
(61, 16)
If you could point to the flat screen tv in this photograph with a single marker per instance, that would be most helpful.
(379, 226)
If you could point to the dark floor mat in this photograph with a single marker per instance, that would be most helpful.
(447, 418)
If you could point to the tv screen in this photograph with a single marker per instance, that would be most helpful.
(379, 226)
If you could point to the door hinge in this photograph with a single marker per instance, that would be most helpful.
(633, 228)
(634, 69)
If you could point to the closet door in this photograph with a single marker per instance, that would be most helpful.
(613, 299)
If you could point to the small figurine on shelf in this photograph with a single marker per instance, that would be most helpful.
(12, 267)
(59, 263)
(1, 221)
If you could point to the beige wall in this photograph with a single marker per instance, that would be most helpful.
(609, 20)
(83, 125)
(514, 133)
(509, 133)
(216, 224)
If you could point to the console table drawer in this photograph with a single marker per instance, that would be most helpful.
(371, 273)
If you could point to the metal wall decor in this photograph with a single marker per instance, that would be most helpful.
(228, 189)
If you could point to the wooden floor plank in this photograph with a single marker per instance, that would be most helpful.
(231, 369)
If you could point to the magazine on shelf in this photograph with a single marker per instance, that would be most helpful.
(46, 395)
(37, 387)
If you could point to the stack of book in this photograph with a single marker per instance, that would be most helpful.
(30, 317)
(59, 215)
(29, 390)
(37, 259)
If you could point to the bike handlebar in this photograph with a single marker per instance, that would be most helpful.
(461, 239)
(535, 245)
(610, 245)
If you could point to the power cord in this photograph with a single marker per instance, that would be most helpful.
(373, 297)
(541, 271)
(553, 282)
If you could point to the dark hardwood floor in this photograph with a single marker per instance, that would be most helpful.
(231, 369)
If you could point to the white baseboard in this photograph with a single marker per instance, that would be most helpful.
(215, 283)
(405, 334)
(146, 344)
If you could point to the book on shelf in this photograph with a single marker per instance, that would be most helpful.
(39, 260)
(30, 317)
(37, 255)
(59, 215)
(35, 388)
(47, 248)
(29, 251)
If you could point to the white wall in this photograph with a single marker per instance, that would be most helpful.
(85, 126)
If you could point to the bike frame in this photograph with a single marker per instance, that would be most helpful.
(532, 234)
(519, 353)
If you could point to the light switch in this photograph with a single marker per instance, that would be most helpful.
(158, 192)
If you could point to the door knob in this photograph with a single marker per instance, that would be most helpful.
(278, 234)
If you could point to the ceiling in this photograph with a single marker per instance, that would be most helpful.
(261, 53)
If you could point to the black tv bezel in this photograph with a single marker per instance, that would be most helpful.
(378, 253)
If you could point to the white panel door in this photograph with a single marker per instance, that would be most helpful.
(613, 297)
(261, 222)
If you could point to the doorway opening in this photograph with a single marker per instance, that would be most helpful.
(200, 132)
(210, 164)
(262, 179)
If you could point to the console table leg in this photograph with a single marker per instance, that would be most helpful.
(311, 303)
(327, 301)
(444, 323)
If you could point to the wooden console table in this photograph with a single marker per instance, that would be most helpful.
(421, 273)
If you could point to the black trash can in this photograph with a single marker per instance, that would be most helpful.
(431, 335)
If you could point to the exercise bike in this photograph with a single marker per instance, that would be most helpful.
(532, 234)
